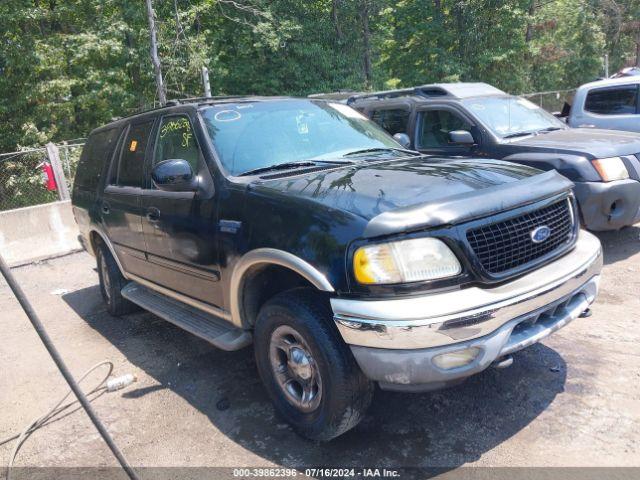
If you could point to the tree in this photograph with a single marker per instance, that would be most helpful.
(68, 67)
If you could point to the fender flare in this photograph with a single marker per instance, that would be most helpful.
(109, 245)
(270, 256)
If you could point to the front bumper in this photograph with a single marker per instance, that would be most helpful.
(608, 205)
(395, 341)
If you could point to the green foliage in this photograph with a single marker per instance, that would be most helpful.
(21, 182)
(69, 66)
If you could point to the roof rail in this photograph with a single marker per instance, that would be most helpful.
(179, 101)
(421, 91)
(174, 102)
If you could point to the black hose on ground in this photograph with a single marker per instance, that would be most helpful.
(55, 355)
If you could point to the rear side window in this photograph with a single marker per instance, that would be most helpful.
(613, 101)
(393, 121)
(95, 153)
(131, 166)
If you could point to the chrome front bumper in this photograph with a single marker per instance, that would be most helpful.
(394, 341)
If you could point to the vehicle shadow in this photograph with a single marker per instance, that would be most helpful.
(442, 429)
(619, 245)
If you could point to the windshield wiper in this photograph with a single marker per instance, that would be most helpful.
(550, 129)
(290, 166)
(277, 166)
(533, 132)
(380, 150)
(518, 134)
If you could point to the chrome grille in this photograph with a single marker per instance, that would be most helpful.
(508, 244)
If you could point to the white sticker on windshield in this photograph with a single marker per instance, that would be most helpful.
(527, 104)
(303, 127)
(347, 111)
(227, 116)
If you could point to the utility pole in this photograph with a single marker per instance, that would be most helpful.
(365, 12)
(155, 60)
(205, 82)
(606, 65)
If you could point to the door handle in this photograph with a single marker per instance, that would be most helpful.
(153, 214)
(105, 208)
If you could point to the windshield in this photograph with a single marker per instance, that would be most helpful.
(253, 135)
(509, 116)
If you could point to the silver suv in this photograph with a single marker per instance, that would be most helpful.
(611, 104)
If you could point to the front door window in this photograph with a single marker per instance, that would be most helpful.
(176, 141)
(435, 127)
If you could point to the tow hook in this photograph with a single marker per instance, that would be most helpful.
(503, 362)
(586, 314)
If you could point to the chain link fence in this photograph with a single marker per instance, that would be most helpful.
(25, 176)
(552, 101)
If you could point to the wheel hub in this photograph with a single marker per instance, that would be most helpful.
(300, 363)
(295, 369)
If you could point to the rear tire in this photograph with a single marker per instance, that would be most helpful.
(111, 283)
(307, 369)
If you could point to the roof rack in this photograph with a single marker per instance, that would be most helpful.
(421, 91)
(457, 90)
(179, 101)
(174, 102)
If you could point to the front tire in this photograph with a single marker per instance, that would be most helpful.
(111, 283)
(307, 369)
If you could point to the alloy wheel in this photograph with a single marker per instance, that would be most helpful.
(294, 368)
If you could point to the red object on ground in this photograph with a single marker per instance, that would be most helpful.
(48, 178)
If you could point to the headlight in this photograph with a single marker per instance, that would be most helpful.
(405, 261)
(611, 168)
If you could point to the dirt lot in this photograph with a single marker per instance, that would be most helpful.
(573, 400)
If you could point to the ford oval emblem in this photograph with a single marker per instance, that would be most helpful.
(540, 234)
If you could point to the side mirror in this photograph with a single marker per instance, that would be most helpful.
(403, 139)
(462, 138)
(174, 175)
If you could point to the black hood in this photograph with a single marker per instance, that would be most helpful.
(424, 191)
(589, 142)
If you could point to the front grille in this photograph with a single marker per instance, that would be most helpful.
(505, 245)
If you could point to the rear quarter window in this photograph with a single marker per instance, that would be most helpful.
(95, 154)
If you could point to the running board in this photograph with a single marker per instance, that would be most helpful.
(214, 330)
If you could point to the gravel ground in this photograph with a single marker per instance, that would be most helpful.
(573, 400)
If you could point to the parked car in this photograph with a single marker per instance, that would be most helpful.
(613, 103)
(302, 227)
(476, 119)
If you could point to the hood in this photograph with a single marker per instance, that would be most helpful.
(589, 142)
(418, 192)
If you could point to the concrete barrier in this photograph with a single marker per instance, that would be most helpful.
(36, 233)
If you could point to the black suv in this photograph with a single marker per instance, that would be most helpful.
(476, 119)
(302, 227)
